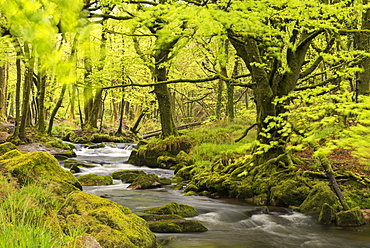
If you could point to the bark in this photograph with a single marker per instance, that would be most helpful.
(219, 99)
(41, 89)
(26, 92)
(3, 92)
(18, 94)
(120, 126)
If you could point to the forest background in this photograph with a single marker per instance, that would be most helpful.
(296, 71)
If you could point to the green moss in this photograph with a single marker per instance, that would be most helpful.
(79, 139)
(174, 208)
(288, 192)
(127, 176)
(145, 182)
(60, 144)
(191, 187)
(177, 226)
(157, 217)
(6, 147)
(31, 167)
(110, 223)
(11, 154)
(318, 196)
(69, 163)
(190, 193)
(327, 215)
(165, 181)
(92, 180)
(352, 217)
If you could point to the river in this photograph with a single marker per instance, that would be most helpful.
(231, 223)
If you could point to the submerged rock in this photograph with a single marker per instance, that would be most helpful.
(69, 163)
(177, 226)
(95, 180)
(174, 208)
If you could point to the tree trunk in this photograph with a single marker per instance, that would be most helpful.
(219, 99)
(26, 92)
(3, 93)
(55, 110)
(121, 112)
(362, 42)
(41, 89)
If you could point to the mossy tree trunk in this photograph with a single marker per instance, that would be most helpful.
(269, 83)
(56, 108)
(41, 89)
(3, 92)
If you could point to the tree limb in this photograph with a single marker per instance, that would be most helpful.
(245, 132)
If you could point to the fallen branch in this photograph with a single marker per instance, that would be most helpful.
(180, 127)
(245, 132)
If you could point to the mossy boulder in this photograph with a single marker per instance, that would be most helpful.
(111, 224)
(127, 176)
(146, 181)
(352, 217)
(69, 163)
(158, 217)
(288, 192)
(31, 167)
(177, 226)
(318, 196)
(6, 147)
(147, 153)
(165, 181)
(327, 215)
(174, 208)
(93, 180)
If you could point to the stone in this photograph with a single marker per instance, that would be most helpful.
(177, 226)
(87, 241)
(95, 180)
(3, 137)
(174, 208)
(6, 147)
(34, 166)
(146, 181)
(68, 163)
(127, 176)
(36, 147)
(327, 215)
(318, 196)
(352, 217)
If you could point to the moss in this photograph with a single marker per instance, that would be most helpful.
(288, 192)
(352, 217)
(177, 226)
(92, 180)
(165, 181)
(318, 196)
(127, 176)
(174, 208)
(31, 167)
(191, 187)
(69, 163)
(79, 139)
(327, 215)
(11, 154)
(110, 223)
(190, 193)
(6, 147)
(60, 144)
(146, 181)
(166, 162)
(156, 217)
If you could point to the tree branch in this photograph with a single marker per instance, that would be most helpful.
(245, 132)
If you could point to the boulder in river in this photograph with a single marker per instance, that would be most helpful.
(318, 196)
(177, 226)
(95, 180)
(69, 163)
(146, 181)
(352, 217)
(174, 208)
(127, 176)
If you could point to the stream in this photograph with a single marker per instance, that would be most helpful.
(231, 223)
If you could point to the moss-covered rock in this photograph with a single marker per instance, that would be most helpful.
(165, 181)
(318, 196)
(352, 217)
(6, 147)
(60, 144)
(145, 181)
(110, 223)
(288, 192)
(177, 226)
(31, 167)
(174, 208)
(69, 163)
(147, 153)
(327, 215)
(157, 217)
(11, 154)
(94, 180)
(127, 176)
(191, 187)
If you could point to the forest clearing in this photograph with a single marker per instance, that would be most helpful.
(263, 105)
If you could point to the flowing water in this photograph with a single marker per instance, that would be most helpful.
(231, 223)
